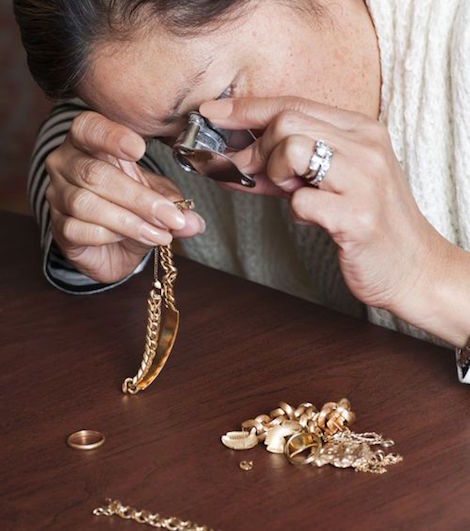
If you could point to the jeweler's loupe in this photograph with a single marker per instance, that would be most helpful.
(202, 147)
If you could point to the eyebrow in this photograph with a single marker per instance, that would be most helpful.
(182, 94)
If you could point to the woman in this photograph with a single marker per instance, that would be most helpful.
(385, 86)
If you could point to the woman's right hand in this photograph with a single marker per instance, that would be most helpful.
(106, 211)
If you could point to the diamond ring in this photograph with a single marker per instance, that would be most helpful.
(320, 163)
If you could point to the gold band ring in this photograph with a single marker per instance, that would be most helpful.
(85, 440)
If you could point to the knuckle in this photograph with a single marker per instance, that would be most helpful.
(54, 216)
(51, 161)
(91, 171)
(292, 151)
(110, 135)
(80, 124)
(68, 229)
(259, 153)
(89, 127)
(97, 233)
(284, 123)
(366, 222)
(78, 202)
(294, 103)
(125, 222)
(102, 132)
(49, 194)
(142, 201)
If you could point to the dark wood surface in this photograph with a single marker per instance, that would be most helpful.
(242, 348)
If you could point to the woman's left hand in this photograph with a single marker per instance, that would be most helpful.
(388, 251)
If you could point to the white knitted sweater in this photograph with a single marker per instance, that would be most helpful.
(425, 57)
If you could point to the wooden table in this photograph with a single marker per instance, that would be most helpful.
(242, 348)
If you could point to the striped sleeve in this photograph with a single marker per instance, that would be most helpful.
(57, 270)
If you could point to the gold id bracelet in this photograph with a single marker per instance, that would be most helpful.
(162, 318)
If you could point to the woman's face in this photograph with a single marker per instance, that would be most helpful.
(150, 83)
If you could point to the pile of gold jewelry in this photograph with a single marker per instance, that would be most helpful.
(162, 318)
(310, 437)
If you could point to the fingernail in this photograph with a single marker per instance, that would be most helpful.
(152, 236)
(132, 147)
(202, 223)
(169, 215)
(289, 185)
(216, 110)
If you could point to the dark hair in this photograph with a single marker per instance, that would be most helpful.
(58, 35)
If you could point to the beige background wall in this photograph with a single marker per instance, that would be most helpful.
(22, 108)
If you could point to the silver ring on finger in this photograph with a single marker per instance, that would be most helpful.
(320, 163)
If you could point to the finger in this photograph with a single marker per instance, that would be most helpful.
(68, 231)
(93, 133)
(84, 205)
(194, 222)
(257, 113)
(290, 160)
(115, 186)
(319, 207)
(253, 159)
(347, 221)
(194, 225)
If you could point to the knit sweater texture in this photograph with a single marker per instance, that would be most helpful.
(425, 57)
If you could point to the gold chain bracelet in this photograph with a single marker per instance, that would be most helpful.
(162, 318)
(172, 523)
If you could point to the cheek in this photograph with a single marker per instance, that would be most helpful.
(267, 78)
